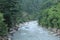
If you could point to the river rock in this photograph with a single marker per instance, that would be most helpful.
(58, 32)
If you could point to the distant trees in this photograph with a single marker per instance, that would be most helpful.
(32, 7)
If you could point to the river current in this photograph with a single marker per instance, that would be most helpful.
(32, 31)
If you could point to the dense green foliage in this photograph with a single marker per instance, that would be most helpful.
(50, 17)
(3, 26)
(11, 14)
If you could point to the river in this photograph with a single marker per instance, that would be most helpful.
(32, 31)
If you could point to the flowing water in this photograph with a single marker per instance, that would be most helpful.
(32, 31)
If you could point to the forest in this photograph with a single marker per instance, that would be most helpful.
(14, 12)
(50, 15)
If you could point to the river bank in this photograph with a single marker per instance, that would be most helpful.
(11, 33)
(55, 31)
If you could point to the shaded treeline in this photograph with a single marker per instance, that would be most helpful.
(10, 12)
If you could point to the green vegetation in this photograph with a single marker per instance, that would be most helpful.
(50, 17)
(11, 14)
(3, 26)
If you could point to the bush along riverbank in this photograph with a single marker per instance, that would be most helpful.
(9, 35)
(12, 31)
(50, 18)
